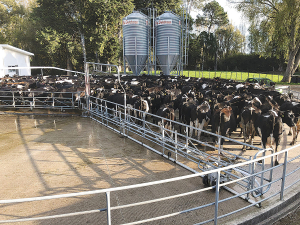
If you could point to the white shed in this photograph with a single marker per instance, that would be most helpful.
(11, 57)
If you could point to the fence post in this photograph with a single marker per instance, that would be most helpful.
(163, 136)
(176, 146)
(101, 110)
(217, 198)
(33, 100)
(73, 100)
(144, 119)
(249, 179)
(283, 175)
(53, 101)
(187, 135)
(106, 113)
(14, 101)
(108, 208)
(219, 144)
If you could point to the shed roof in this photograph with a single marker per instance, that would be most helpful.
(12, 48)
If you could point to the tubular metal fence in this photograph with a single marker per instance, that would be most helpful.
(40, 100)
(247, 178)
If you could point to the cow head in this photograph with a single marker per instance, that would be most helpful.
(288, 117)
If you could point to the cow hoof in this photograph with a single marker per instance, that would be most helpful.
(276, 163)
(290, 134)
(292, 143)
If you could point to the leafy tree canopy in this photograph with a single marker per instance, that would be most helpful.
(275, 27)
(213, 15)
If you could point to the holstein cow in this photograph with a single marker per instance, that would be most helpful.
(166, 111)
(143, 106)
(188, 114)
(248, 116)
(295, 108)
(269, 126)
(203, 117)
(223, 121)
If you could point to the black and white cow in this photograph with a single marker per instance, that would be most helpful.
(166, 112)
(248, 116)
(203, 117)
(223, 121)
(141, 106)
(269, 126)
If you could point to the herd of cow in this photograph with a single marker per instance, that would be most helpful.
(218, 105)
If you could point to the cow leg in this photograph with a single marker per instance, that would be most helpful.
(201, 125)
(295, 134)
(196, 126)
(290, 132)
(191, 131)
(277, 142)
(241, 126)
(160, 127)
(245, 136)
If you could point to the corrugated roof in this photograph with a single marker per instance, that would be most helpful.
(12, 48)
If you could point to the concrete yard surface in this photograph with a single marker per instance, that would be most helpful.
(48, 155)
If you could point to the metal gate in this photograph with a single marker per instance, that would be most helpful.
(182, 149)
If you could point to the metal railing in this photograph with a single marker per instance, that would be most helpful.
(40, 100)
(287, 90)
(42, 68)
(247, 178)
(284, 179)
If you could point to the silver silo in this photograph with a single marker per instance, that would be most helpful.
(168, 33)
(136, 41)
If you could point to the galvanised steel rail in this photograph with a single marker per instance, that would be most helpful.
(42, 68)
(40, 100)
(287, 90)
(254, 177)
(284, 176)
(177, 147)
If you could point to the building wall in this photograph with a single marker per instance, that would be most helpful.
(12, 58)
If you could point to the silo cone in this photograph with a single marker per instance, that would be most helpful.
(135, 41)
(168, 33)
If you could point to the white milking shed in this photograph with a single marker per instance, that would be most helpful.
(11, 57)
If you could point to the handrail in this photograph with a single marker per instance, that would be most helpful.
(109, 190)
(40, 67)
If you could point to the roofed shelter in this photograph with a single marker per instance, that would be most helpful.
(11, 57)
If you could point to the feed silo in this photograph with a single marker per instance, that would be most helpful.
(168, 34)
(136, 41)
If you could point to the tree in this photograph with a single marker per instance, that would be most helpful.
(15, 26)
(231, 41)
(213, 15)
(279, 22)
(69, 27)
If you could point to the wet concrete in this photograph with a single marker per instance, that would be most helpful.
(48, 155)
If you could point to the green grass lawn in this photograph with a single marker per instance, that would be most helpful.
(239, 76)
